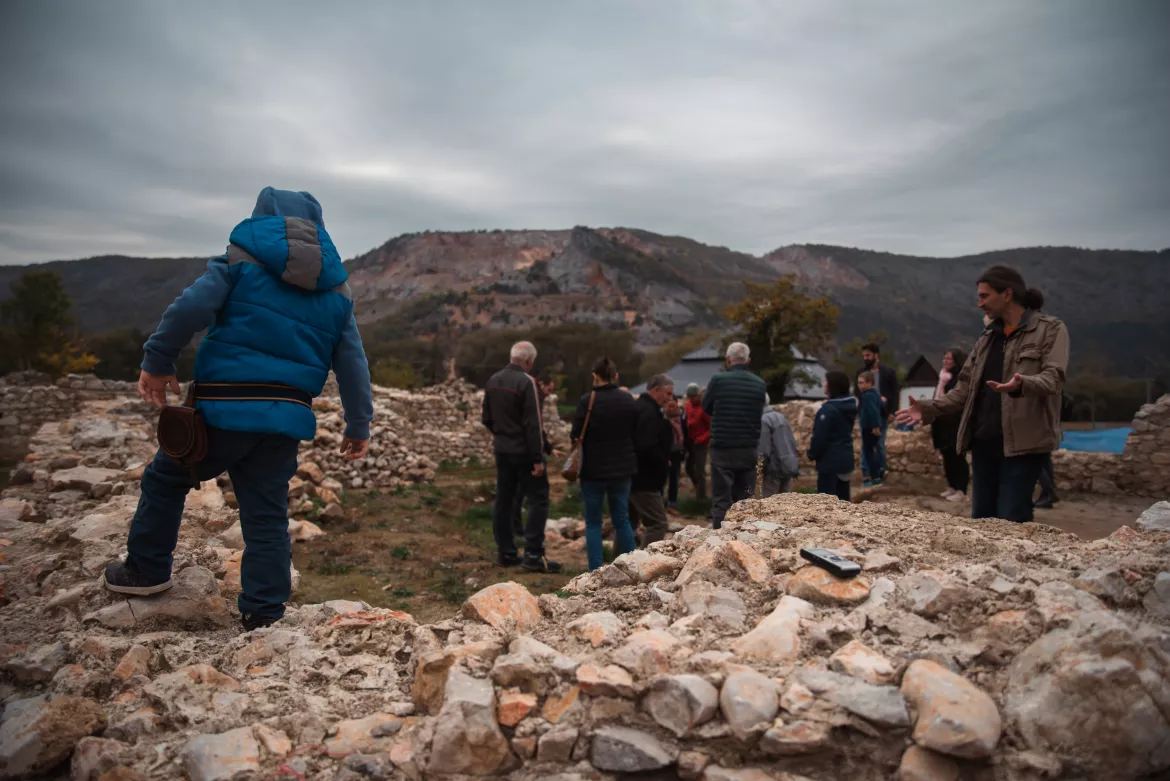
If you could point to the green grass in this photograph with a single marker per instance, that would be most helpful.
(694, 508)
(330, 568)
(400, 552)
(402, 592)
(811, 489)
(566, 410)
(452, 588)
(477, 521)
(570, 506)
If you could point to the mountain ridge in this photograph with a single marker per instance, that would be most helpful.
(1113, 300)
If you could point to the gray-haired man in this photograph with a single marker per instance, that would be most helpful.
(733, 399)
(653, 439)
(511, 411)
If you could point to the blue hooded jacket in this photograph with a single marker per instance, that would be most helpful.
(279, 312)
(832, 437)
(871, 411)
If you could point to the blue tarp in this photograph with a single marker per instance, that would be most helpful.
(1105, 440)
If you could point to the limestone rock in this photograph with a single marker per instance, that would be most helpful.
(920, 764)
(777, 637)
(94, 757)
(467, 738)
(797, 737)
(743, 559)
(1155, 518)
(691, 764)
(220, 757)
(1095, 694)
(557, 745)
(882, 705)
(81, 478)
(625, 750)
(822, 587)
(930, 594)
(860, 661)
(597, 629)
(514, 706)
(1157, 599)
(274, 741)
(194, 599)
(37, 734)
(608, 681)
(681, 702)
(955, 717)
(643, 567)
(98, 433)
(1103, 583)
(699, 596)
(646, 653)
(364, 736)
(749, 702)
(506, 606)
(38, 664)
(135, 662)
(17, 511)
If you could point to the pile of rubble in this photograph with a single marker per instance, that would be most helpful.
(965, 650)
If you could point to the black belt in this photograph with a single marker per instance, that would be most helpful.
(250, 391)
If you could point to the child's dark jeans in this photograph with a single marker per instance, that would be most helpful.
(260, 466)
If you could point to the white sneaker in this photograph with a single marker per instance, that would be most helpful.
(957, 496)
(947, 493)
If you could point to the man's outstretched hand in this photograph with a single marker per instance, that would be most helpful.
(353, 449)
(1011, 386)
(153, 388)
(911, 415)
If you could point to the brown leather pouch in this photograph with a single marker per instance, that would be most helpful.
(182, 433)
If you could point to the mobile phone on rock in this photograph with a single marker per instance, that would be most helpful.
(834, 563)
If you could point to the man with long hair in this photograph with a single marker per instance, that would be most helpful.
(1009, 396)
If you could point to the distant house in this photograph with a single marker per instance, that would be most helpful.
(699, 366)
(921, 380)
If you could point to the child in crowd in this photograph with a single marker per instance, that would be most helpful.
(871, 429)
(832, 438)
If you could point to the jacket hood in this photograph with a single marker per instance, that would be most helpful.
(845, 406)
(286, 234)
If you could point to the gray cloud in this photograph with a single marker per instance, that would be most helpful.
(930, 128)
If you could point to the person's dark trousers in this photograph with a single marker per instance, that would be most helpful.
(1001, 487)
(871, 457)
(956, 469)
(260, 466)
(514, 476)
(518, 515)
(881, 475)
(1047, 480)
(733, 479)
(697, 470)
(676, 463)
(647, 508)
(828, 483)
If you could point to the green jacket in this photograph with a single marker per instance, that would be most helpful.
(735, 401)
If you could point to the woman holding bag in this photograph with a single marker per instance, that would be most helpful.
(603, 427)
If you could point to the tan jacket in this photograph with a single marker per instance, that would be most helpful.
(1037, 350)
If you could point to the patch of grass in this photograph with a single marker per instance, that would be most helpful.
(477, 521)
(811, 489)
(561, 593)
(400, 552)
(380, 525)
(608, 553)
(330, 568)
(690, 507)
(402, 592)
(570, 506)
(432, 501)
(462, 406)
(452, 588)
(566, 410)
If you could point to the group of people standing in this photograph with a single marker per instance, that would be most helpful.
(1002, 405)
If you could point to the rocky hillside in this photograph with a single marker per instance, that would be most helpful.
(662, 285)
(965, 650)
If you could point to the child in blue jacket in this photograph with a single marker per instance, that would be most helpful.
(280, 318)
(832, 438)
(871, 429)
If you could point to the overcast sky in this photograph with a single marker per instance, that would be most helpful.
(936, 127)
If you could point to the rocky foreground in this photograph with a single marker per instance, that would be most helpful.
(966, 650)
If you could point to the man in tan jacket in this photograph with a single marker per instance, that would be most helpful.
(1009, 396)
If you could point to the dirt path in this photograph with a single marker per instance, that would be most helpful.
(1089, 516)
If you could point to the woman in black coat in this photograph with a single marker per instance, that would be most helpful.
(944, 432)
(608, 461)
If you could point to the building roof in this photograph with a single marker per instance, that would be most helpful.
(921, 374)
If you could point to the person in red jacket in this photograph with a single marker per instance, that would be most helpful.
(699, 434)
